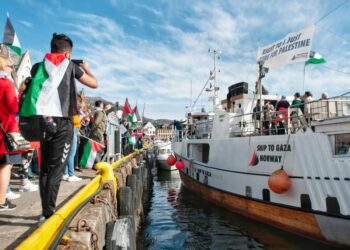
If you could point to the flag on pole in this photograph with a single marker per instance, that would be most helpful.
(315, 58)
(11, 39)
(133, 117)
(89, 155)
(126, 108)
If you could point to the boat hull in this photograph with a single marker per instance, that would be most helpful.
(295, 221)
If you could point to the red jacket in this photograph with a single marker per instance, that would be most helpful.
(8, 110)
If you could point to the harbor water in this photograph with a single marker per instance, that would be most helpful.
(175, 218)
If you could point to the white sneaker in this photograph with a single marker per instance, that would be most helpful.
(65, 177)
(42, 219)
(29, 187)
(12, 196)
(74, 178)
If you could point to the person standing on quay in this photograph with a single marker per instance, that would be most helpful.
(99, 127)
(57, 65)
(8, 107)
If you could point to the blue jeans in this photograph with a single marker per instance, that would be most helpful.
(69, 170)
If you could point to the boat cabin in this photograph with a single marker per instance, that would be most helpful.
(236, 117)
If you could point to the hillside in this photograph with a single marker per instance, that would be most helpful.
(157, 122)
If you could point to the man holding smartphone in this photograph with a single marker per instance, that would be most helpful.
(58, 100)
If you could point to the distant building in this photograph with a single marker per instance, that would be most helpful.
(22, 64)
(164, 132)
(149, 130)
(24, 67)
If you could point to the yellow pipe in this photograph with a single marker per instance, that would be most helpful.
(43, 237)
(107, 174)
(128, 157)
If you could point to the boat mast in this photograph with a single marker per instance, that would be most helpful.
(212, 77)
(262, 72)
(215, 88)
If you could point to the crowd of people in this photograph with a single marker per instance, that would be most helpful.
(57, 157)
(275, 113)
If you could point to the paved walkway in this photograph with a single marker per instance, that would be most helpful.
(16, 225)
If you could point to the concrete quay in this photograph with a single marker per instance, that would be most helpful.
(16, 225)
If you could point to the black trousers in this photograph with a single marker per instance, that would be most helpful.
(53, 162)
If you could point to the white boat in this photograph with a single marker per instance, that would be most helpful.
(163, 151)
(229, 160)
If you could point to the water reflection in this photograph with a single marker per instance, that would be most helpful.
(178, 219)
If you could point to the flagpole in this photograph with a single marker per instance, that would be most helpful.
(90, 139)
(304, 77)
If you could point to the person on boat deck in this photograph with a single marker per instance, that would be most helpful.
(307, 105)
(282, 117)
(256, 116)
(324, 96)
(268, 109)
(296, 101)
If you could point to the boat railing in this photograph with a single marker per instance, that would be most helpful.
(290, 120)
(286, 121)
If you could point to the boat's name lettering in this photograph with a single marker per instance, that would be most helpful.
(270, 158)
(273, 147)
(204, 172)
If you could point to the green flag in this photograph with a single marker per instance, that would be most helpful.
(315, 58)
(11, 39)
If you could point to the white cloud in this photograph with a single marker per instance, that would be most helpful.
(158, 72)
(26, 23)
(137, 19)
(149, 9)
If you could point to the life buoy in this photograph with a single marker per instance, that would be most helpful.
(279, 182)
(180, 165)
(171, 160)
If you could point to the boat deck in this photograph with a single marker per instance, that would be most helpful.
(16, 225)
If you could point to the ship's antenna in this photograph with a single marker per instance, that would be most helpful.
(212, 76)
(216, 54)
(191, 96)
(262, 72)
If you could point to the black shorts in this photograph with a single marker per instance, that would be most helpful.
(3, 159)
(15, 159)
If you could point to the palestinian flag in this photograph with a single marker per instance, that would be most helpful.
(89, 155)
(126, 108)
(130, 140)
(11, 39)
(50, 91)
(315, 58)
(132, 117)
(254, 161)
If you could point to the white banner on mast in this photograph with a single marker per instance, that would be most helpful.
(294, 47)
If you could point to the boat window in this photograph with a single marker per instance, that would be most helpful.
(332, 205)
(162, 151)
(248, 191)
(198, 152)
(342, 144)
(305, 201)
(266, 195)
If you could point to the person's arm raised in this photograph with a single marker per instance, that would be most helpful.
(88, 78)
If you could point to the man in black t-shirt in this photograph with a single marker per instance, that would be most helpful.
(55, 150)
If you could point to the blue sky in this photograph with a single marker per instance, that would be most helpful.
(150, 51)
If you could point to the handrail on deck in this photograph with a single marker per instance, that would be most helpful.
(265, 122)
(45, 235)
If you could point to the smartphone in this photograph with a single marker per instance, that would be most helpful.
(77, 61)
